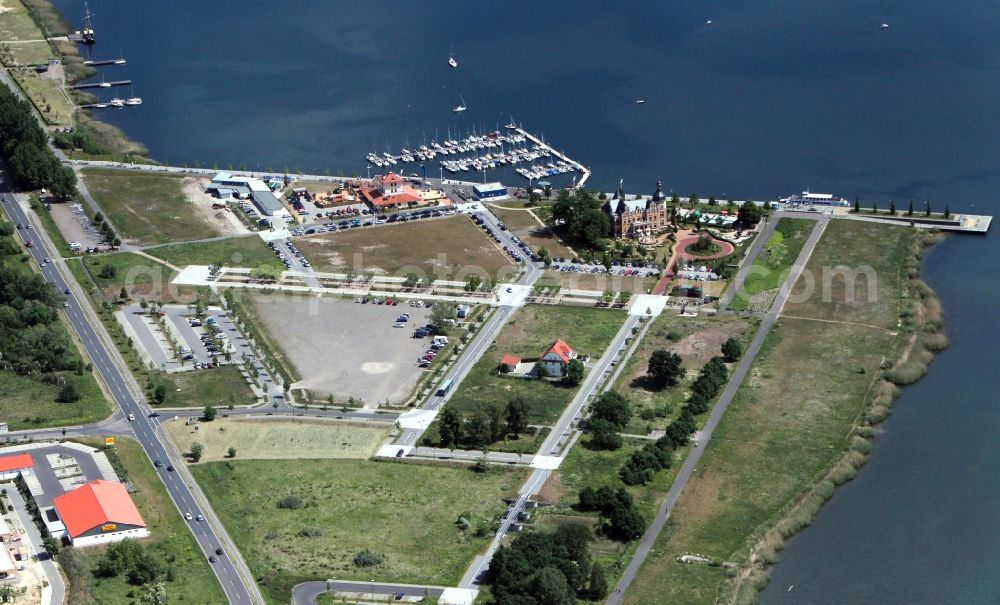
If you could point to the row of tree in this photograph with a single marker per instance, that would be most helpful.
(620, 519)
(541, 568)
(24, 149)
(585, 222)
(489, 424)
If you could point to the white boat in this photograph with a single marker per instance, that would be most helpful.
(884, 26)
(116, 102)
(460, 107)
(133, 101)
(640, 101)
(451, 58)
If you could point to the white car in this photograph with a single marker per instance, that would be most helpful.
(399, 324)
(131, 417)
(187, 516)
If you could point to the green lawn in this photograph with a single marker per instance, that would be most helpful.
(47, 96)
(527, 334)
(406, 512)
(17, 24)
(198, 388)
(169, 540)
(249, 251)
(771, 267)
(27, 403)
(790, 421)
(141, 277)
(27, 53)
(696, 340)
(146, 208)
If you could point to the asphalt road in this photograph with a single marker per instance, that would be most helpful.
(237, 591)
(739, 373)
(307, 592)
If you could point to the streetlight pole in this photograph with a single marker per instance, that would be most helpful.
(373, 590)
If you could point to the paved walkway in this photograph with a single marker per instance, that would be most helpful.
(55, 592)
(694, 456)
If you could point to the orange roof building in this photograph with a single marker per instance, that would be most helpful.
(508, 363)
(17, 464)
(99, 512)
(555, 358)
(390, 190)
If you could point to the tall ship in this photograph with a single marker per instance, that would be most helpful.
(815, 199)
(88, 27)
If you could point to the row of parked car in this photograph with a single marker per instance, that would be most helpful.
(439, 343)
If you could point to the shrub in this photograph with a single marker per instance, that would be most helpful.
(290, 502)
(368, 558)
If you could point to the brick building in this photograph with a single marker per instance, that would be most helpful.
(640, 217)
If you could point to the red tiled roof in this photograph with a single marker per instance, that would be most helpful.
(561, 349)
(510, 360)
(390, 177)
(96, 503)
(15, 462)
(399, 198)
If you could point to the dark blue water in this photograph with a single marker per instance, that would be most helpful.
(770, 99)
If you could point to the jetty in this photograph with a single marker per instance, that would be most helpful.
(583, 170)
(101, 84)
(93, 63)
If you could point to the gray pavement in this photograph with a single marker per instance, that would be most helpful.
(34, 538)
(231, 570)
(307, 592)
(694, 456)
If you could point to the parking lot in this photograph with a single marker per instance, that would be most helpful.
(198, 341)
(346, 348)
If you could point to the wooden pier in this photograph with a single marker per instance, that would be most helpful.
(101, 84)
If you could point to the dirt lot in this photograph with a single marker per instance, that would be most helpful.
(344, 348)
(74, 225)
(278, 438)
(448, 247)
(223, 221)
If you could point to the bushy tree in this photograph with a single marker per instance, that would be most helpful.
(450, 427)
(68, 393)
(732, 350)
(749, 214)
(197, 450)
(612, 407)
(574, 372)
(517, 415)
(664, 369)
(604, 435)
(208, 415)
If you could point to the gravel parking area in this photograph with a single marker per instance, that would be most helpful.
(345, 348)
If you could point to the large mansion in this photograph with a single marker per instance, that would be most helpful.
(644, 216)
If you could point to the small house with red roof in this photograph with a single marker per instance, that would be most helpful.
(508, 363)
(390, 191)
(12, 467)
(99, 512)
(554, 359)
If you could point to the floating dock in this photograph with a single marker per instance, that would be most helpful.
(101, 84)
(105, 62)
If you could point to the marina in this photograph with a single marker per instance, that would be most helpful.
(490, 151)
(101, 84)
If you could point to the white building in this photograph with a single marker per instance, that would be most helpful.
(554, 359)
(247, 187)
(99, 512)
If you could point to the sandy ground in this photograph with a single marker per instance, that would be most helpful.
(223, 221)
(344, 348)
(71, 224)
(278, 438)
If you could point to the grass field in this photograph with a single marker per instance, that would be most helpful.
(169, 540)
(441, 248)
(696, 340)
(876, 253)
(792, 418)
(17, 24)
(771, 267)
(30, 404)
(249, 251)
(406, 512)
(219, 387)
(141, 277)
(146, 208)
(47, 96)
(26, 53)
(273, 439)
(533, 328)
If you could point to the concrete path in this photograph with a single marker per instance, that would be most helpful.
(57, 588)
(739, 373)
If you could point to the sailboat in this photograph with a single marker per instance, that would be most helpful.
(117, 102)
(121, 58)
(88, 27)
(451, 58)
(133, 100)
(461, 107)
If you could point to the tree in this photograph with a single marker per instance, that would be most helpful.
(749, 214)
(208, 415)
(857, 206)
(442, 316)
(732, 349)
(548, 191)
(712, 201)
(450, 427)
(123, 294)
(517, 416)
(604, 434)
(927, 209)
(68, 393)
(892, 208)
(909, 211)
(231, 452)
(159, 394)
(197, 450)
(625, 524)
(574, 372)
(597, 584)
(664, 369)
(549, 587)
(612, 407)
(108, 271)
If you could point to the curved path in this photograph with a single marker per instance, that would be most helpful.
(680, 249)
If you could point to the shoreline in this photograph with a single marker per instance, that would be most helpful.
(101, 140)
(922, 328)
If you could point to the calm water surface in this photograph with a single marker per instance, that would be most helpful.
(769, 99)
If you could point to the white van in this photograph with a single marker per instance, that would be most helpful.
(441, 339)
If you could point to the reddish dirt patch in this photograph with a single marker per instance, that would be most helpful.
(680, 250)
